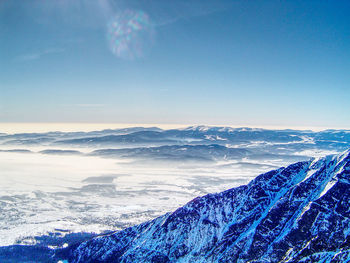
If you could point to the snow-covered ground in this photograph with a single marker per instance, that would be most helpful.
(40, 193)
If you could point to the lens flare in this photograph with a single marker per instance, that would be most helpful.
(130, 34)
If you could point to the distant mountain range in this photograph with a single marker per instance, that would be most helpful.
(190, 135)
(210, 152)
(196, 143)
(299, 213)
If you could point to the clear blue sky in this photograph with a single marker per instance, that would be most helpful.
(257, 63)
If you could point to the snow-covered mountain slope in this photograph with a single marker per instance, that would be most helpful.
(296, 214)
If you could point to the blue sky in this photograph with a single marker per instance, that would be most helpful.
(253, 63)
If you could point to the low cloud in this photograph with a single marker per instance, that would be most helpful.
(38, 55)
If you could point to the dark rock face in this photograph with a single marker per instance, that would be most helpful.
(296, 214)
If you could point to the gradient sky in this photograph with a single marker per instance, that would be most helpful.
(255, 63)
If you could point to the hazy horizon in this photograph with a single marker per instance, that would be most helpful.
(27, 127)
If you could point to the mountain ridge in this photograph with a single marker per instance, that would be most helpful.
(297, 213)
